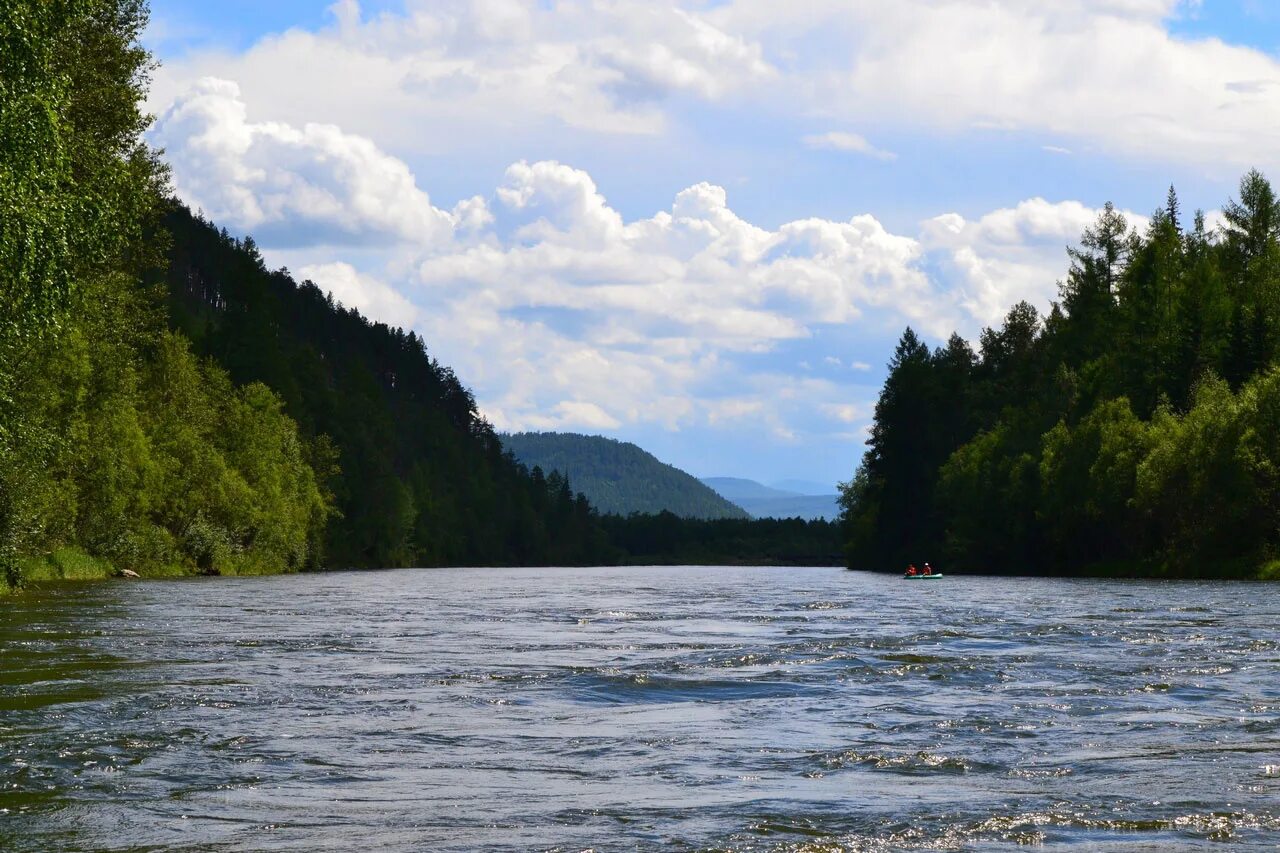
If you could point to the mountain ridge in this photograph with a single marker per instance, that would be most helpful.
(769, 502)
(619, 477)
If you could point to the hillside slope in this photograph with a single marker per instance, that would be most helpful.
(418, 477)
(618, 477)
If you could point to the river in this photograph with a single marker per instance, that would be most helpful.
(639, 708)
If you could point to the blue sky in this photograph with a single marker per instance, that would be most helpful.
(701, 226)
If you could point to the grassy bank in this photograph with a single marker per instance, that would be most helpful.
(65, 564)
(74, 564)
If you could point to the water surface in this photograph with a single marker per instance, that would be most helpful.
(651, 708)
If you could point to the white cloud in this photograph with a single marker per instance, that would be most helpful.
(484, 66)
(373, 298)
(290, 185)
(840, 140)
(562, 312)
(1108, 73)
(732, 410)
(847, 413)
(1008, 255)
(860, 366)
(581, 414)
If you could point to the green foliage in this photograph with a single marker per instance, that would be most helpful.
(66, 564)
(1211, 484)
(1087, 480)
(1102, 437)
(154, 459)
(116, 444)
(417, 476)
(989, 490)
(619, 478)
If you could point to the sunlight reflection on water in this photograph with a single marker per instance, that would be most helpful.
(622, 708)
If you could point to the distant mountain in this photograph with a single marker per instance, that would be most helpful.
(618, 477)
(803, 487)
(737, 489)
(808, 507)
(767, 502)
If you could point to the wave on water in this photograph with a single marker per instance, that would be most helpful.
(732, 709)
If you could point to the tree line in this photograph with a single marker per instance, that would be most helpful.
(1133, 429)
(115, 438)
(170, 405)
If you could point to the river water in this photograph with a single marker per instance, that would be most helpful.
(639, 708)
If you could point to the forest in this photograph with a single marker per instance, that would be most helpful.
(415, 475)
(168, 405)
(1133, 430)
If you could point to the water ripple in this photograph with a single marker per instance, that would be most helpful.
(736, 709)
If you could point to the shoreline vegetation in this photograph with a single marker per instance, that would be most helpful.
(171, 406)
(1135, 429)
(73, 564)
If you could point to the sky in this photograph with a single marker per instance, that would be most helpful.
(701, 225)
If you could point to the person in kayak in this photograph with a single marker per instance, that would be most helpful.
(911, 570)
(928, 569)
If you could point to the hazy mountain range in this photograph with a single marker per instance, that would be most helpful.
(785, 499)
(621, 478)
(618, 477)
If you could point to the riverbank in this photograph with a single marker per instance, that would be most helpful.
(1232, 570)
(1227, 570)
(75, 565)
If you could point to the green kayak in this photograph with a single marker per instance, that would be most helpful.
(922, 577)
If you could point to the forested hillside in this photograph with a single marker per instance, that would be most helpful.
(1135, 429)
(219, 418)
(116, 443)
(620, 478)
(417, 476)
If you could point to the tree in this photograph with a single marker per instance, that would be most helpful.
(1089, 292)
(1250, 233)
(1104, 435)
(77, 187)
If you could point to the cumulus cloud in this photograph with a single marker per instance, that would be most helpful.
(564, 313)
(655, 320)
(1107, 72)
(291, 185)
(478, 66)
(844, 412)
(1007, 255)
(371, 297)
